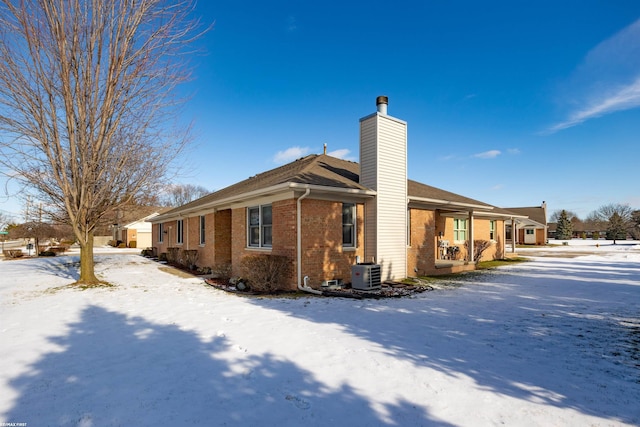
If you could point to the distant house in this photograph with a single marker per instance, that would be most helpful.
(136, 234)
(123, 224)
(532, 229)
(326, 214)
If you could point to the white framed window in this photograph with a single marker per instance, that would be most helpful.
(349, 225)
(529, 231)
(492, 230)
(459, 230)
(180, 232)
(202, 228)
(160, 233)
(259, 226)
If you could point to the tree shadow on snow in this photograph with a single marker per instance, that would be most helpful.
(65, 266)
(541, 335)
(112, 369)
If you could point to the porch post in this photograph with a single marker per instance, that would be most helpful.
(471, 248)
(513, 235)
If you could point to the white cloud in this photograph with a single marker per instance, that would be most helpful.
(624, 98)
(608, 80)
(292, 23)
(342, 153)
(497, 187)
(290, 154)
(513, 151)
(491, 154)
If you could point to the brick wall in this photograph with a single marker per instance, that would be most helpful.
(422, 246)
(221, 236)
(323, 257)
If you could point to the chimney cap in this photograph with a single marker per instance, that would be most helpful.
(382, 100)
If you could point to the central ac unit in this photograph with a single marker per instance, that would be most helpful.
(366, 277)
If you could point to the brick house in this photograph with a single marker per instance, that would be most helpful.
(532, 230)
(326, 214)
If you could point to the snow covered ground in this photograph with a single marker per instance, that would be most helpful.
(552, 342)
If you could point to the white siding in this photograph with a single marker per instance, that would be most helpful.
(383, 163)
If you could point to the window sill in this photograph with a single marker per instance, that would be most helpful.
(257, 249)
(349, 249)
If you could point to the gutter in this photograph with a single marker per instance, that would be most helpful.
(449, 203)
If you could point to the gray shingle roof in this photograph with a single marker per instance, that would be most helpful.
(536, 213)
(319, 170)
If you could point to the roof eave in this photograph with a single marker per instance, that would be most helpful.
(449, 204)
(273, 190)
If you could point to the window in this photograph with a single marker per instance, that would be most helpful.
(349, 225)
(459, 230)
(202, 238)
(160, 233)
(492, 230)
(179, 232)
(530, 231)
(260, 222)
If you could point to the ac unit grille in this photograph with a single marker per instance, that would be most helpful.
(366, 277)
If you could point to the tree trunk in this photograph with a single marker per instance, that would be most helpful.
(87, 273)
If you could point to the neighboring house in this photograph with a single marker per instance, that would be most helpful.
(326, 214)
(533, 229)
(136, 234)
(123, 224)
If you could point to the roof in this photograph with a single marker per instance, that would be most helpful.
(535, 213)
(323, 171)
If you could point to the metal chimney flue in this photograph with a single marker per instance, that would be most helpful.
(381, 104)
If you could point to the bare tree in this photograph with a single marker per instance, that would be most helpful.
(180, 194)
(4, 221)
(39, 231)
(616, 218)
(635, 224)
(87, 101)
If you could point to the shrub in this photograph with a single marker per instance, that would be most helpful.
(479, 246)
(189, 258)
(47, 253)
(266, 273)
(133, 244)
(172, 255)
(222, 271)
(596, 235)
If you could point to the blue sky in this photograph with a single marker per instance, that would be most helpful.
(508, 102)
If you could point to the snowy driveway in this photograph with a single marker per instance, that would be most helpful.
(550, 342)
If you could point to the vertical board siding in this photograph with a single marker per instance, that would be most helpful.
(383, 163)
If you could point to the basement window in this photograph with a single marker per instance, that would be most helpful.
(259, 227)
(349, 225)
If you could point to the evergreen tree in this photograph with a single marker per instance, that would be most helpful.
(564, 229)
(617, 228)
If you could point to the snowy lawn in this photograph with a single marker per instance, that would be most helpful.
(552, 342)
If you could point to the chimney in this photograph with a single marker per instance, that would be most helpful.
(381, 103)
(383, 168)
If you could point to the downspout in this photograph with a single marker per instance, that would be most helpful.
(302, 285)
